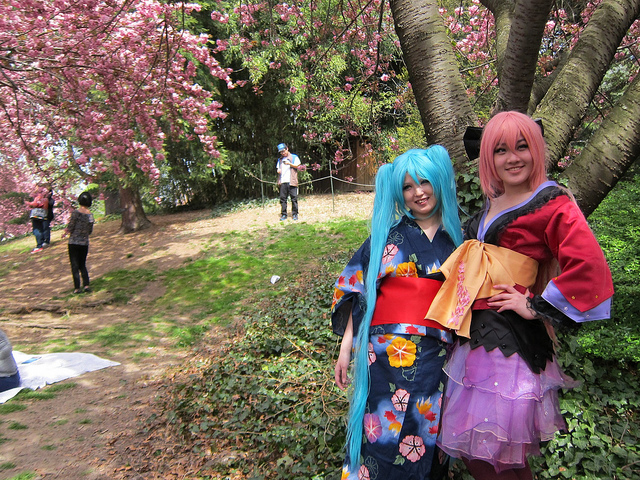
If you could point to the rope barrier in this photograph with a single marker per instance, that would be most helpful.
(309, 182)
(330, 177)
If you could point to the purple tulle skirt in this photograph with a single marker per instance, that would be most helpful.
(496, 409)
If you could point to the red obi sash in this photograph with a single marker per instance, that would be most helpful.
(406, 300)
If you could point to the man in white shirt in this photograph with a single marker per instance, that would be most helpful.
(287, 167)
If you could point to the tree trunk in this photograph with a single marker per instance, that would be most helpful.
(521, 58)
(502, 11)
(439, 91)
(111, 202)
(133, 216)
(566, 102)
(611, 151)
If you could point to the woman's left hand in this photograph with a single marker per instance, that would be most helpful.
(511, 299)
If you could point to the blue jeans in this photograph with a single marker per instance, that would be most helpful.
(46, 231)
(7, 383)
(38, 231)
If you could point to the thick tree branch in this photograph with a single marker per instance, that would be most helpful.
(567, 100)
(521, 58)
(612, 149)
(542, 84)
(440, 94)
(502, 11)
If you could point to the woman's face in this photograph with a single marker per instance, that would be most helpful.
(513, 167)
(418, 197)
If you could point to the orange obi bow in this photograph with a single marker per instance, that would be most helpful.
(471, 272)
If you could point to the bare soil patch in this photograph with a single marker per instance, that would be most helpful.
(106, 426)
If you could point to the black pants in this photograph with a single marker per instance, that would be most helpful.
(288, 191)
(78, 259)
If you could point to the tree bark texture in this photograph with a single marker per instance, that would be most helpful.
(611, 151)
(567, 92)
(133, 216)
(112, 202)
(502, 11)
(566, 102)
(521, 58)
(438, 88)
(542, 84)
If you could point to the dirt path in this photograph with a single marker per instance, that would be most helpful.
(103, 428)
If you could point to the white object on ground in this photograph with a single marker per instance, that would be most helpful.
(36, 371)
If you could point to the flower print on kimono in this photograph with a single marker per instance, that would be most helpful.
(401, 352)
(389, 253)
(412, 448)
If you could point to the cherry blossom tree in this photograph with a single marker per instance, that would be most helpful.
(15, 186)
(562, 64)
(112, 87)
(107, 82)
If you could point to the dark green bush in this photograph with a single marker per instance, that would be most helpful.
(616, 223)
(602, 413)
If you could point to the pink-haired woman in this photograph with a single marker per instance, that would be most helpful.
(529, 262)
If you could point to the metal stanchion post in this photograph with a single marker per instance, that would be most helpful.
(333, 198)
(261, 184)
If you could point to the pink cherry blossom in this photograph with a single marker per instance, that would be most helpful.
(102, 84)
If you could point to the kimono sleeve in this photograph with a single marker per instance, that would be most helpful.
(584, 289)
(348, 293)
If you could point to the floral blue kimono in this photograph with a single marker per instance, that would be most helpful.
(406, 354)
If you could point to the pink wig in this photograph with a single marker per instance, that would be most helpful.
(506, 127)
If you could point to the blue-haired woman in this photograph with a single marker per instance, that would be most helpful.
(379, 308)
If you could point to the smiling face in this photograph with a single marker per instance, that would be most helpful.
(514, 165)
(508, 130)
(418, 197)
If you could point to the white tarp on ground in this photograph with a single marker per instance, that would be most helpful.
(36, 371)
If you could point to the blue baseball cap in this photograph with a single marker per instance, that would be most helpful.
(282, 146)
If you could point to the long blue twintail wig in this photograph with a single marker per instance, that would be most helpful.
(434, 165)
